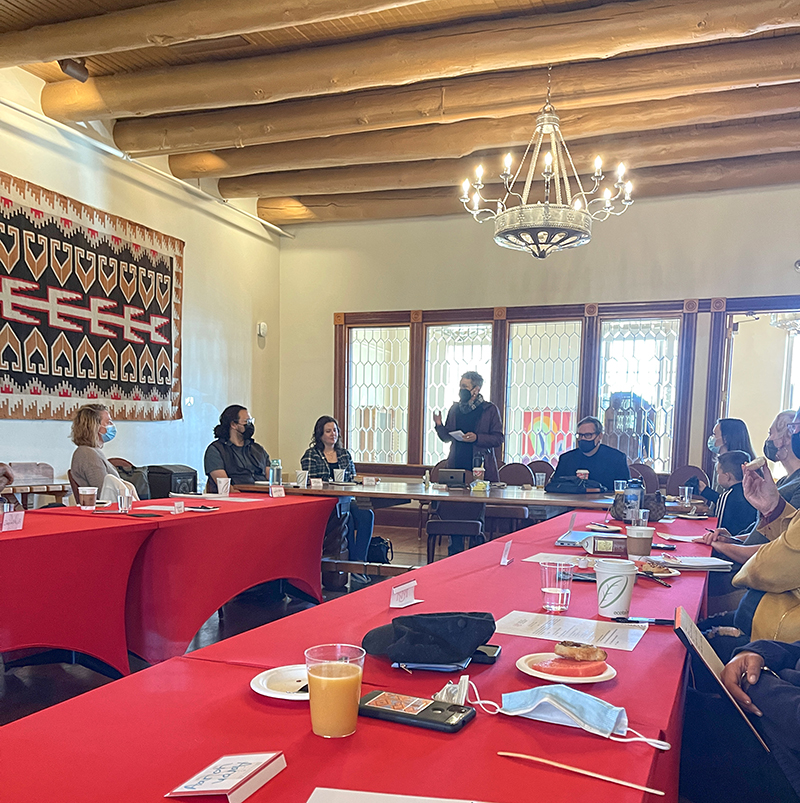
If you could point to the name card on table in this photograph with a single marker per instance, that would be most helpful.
(11, 521)
(370, 482)
(179, 507)
(277, 490)
(234, 778)
(316, 483)
(504, 561)
(403, 595)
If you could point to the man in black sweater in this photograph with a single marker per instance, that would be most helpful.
(604, 463)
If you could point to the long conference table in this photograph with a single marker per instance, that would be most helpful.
(137, 738)
(103, 583)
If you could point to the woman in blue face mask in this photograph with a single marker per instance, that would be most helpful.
(91, 428)
(730, 435)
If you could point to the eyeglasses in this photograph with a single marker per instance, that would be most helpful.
(586, 436)
(246, 422)
(793, 429)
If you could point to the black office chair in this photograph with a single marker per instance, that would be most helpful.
(456, 520)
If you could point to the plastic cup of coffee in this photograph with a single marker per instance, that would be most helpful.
(334, 688)
(338, 475)
(87, 498)
(224, 486)
(539, 479)
(620, 486)
(615, 579)
(639, 541)
(556, 585)
(301, 477)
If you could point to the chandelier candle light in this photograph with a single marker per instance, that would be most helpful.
(563, 219)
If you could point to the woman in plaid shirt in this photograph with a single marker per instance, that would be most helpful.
(323, 456)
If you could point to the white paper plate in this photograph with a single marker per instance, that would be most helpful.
(282, 682)
(523, 664)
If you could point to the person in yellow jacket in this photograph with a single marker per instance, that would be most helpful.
(775, 567)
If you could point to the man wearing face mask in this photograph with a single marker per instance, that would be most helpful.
(479, 420)
(604, 463)
(234, 454)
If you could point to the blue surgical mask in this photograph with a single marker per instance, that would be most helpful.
(563, 705)
(712, 446)
(109, 434)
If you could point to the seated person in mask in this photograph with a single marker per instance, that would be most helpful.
(604, 463)
(92, 427)
(234, 453)
(479, 420)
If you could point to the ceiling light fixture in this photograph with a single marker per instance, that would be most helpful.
(75, 68)
(563, 218)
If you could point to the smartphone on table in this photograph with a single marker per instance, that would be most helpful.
(418, 711)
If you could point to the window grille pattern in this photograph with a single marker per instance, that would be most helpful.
(637, 386)
(378, 394)
(542, 390)
(450, 352)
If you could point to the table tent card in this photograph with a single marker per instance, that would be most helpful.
(403, 595)
(232, 778)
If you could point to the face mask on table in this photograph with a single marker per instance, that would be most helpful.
(109, 434)
(712, 446)
(770, 450)
(465, 395)
(563, 705)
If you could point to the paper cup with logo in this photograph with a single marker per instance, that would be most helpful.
(301, 477)
(639, 541)
(224, 486)
(338, 475)
(615, 579)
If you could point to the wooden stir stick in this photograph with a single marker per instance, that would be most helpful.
(583, 772)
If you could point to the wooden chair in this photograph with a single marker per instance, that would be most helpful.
(516, 474)
(120, 462)
(648, 475)
(73, 483)
(680, 475)
(453, 520)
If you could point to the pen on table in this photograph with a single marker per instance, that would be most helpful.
(642, 620)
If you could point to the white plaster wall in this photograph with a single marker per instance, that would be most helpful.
(231, 282)
(711, 244)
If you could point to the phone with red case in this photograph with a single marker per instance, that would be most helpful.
(418, 711)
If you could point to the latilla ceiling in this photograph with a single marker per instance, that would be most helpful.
(333, 110)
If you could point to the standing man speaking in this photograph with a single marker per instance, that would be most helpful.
(479, 420)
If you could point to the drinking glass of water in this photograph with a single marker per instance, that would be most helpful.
(556, 585)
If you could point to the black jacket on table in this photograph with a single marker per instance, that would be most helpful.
(604, 466)
(778, 699)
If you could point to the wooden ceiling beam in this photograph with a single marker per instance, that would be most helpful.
(726, 174)
(456, 140)
(168, 23)
(532, 40)
(655, 76)
(637, 150)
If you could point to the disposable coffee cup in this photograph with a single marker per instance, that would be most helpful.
(87, 498)
(338, 475)
(615, 579)
(301, 477)
(224, 486)
(582, 474)
(639, 542)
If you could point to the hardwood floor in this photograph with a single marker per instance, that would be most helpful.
(27, 689)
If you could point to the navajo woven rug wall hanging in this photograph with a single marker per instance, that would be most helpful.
(90, 310)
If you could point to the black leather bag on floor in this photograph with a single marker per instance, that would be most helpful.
(380, 550)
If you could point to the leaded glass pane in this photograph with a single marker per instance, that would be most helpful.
(451, 351)
(378, 394)
(637, 385)
(542, 390)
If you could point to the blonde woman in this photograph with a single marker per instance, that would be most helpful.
(91, 428)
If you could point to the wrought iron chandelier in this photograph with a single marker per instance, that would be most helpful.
(563, 218)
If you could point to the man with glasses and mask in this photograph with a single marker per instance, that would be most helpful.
(234, 453)
(604, 463)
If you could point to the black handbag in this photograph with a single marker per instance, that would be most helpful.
(380, 550)
(572, 485)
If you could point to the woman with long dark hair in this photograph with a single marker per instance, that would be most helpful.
(728, 435)
(324, 455)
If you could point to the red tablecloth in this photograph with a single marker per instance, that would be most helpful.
(63, 580)
(139, 737)
(196, 562)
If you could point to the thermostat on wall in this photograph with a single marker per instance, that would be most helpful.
(261, 329)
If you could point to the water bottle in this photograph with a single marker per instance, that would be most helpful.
(632, 499)
(275, 472)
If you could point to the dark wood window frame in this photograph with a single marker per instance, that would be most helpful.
(591, 317)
